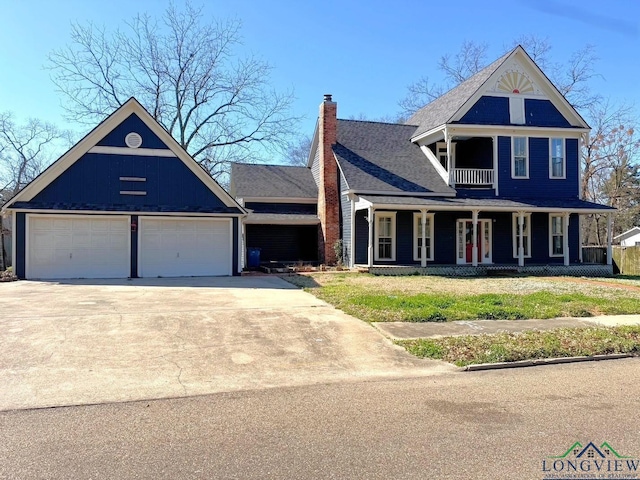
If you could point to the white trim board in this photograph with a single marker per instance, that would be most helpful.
(98, 133)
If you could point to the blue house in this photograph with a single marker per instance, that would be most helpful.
(125, 201)
(485, 177)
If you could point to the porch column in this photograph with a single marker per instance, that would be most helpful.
(609, 239)
(521, 239)
(370, 219)
(565, 239)
(474, 254)
(423, 253)
(495, 164)
(352, 238)
(449, 166)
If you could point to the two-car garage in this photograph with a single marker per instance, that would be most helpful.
(100, 246)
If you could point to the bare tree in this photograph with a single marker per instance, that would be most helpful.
(297, 153)
(185, 71)
(571, 77)
(25, 150)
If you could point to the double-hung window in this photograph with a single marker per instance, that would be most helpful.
(417, 236)
(556, 235)
(385, 236)
(526, 235)
(520, 158)
(556, 158)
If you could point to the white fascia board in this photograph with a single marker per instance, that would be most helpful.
(399, 194)
(99, 132)
(341, 172)
(469, 208)
(128, 213)
(466, 130)
(284, 221)
(436, 164)
(543, 82)
(361, 204)
(279, 200)
(139, 152)
(437, 133)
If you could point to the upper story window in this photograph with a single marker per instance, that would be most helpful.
(557, 164)
(519, 157)
(385, 236)
(417, 236)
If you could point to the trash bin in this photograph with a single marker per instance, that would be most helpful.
(253, 257)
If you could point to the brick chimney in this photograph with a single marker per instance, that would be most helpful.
(328, 191)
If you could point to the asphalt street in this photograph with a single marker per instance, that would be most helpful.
(480, 425)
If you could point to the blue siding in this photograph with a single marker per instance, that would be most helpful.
(297, 208)
(538, 185)
(95, 179)
(404, 238)
(132, 124)
(543, 113)
(345, 211)
(284, 243)
(488, 111)
(362, 237)
(20, 246)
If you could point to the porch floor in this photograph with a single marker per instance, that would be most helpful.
(576, 269)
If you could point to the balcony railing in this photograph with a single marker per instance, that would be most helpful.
(473, 176)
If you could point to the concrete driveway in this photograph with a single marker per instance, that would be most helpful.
(95, 341)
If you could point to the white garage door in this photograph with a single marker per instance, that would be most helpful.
(184, 247)
(78, 247)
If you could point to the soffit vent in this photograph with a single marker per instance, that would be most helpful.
(133, 140)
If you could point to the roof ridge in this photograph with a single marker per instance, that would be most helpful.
(377, 122)
(268, 165)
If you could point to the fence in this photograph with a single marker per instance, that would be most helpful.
(596, 255)
(626, 260)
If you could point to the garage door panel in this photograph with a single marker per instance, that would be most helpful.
(184, 247)
(82, 247)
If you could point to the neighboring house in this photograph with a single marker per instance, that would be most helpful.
(486, 176)
(630, 238)
(125, 201)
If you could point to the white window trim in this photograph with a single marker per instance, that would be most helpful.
(377, 217)
(562, 218)
(564, 159)
(514, 235)
(513, 158)
(417, 219)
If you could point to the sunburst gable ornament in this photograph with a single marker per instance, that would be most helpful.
(515, 82)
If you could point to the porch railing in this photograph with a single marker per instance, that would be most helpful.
(473, 176)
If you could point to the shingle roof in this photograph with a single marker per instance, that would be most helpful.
(488, 203)
(379, 157)
(274, 181)
(442, 109)
(281, 219)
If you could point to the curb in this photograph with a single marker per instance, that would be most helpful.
(544, 361)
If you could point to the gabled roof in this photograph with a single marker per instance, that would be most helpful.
(629, 233)
(379, 157)
(443, 109)
(131, 106)
(452, 105)
(272, 181)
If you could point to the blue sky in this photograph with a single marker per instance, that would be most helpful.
(363, 52)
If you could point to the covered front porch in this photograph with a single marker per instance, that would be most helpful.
(464, 236)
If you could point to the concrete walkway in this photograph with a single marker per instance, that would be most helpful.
(410, 330)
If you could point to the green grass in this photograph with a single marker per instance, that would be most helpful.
(409, 299)
(512, 347)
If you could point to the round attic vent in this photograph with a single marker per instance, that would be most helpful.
(133, 140)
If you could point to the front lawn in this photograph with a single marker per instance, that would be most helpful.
(530, 345)
(429, 298)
